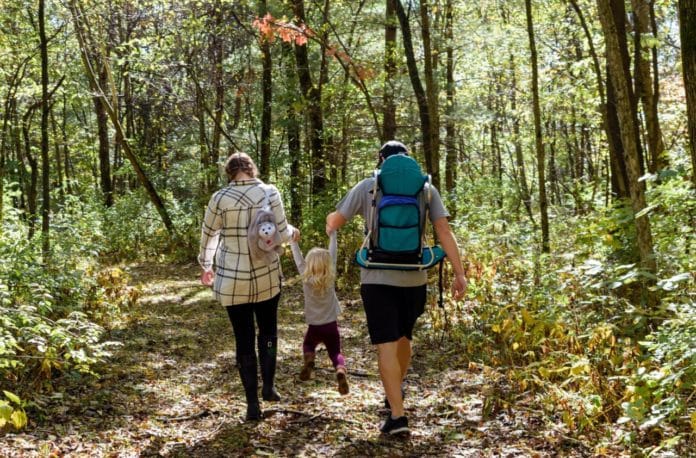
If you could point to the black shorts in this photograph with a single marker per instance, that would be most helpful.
(392, 311)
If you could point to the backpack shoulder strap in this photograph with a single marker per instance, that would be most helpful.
(266, 195)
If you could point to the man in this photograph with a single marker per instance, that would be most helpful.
(394, 299)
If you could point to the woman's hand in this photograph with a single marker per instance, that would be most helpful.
(207, 277)
(295, 234)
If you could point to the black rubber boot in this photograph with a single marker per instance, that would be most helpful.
(268, 346)
(250, 382)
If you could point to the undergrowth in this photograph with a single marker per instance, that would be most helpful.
(568, 332)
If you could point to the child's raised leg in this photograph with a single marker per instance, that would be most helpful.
(309, 345)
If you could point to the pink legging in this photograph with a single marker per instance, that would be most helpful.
(328, 335)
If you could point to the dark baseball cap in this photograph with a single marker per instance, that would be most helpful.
(392, 147)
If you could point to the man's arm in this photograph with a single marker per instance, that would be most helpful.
(334, 221)
(449, 244)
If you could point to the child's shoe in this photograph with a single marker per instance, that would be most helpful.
(306, 372)
(342, 380)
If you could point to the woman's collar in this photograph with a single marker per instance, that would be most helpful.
(245, 181)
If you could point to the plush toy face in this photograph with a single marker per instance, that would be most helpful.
(267, 231)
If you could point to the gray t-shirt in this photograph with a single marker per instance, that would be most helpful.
(358, 201)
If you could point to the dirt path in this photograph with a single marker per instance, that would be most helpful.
(172, 390)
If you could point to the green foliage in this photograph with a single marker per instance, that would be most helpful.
(53, 313)
(567, 330)
(660, 388)
(12, 411)
(133, 230)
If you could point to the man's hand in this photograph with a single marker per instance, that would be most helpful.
(459, 286)
(207, 277)
(334, 221)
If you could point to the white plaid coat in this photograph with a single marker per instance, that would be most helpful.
(238, 278)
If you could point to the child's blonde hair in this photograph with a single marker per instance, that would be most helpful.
(319, 271)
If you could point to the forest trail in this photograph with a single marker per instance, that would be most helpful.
(172, 390)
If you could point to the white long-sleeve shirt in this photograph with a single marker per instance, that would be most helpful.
(319, 308)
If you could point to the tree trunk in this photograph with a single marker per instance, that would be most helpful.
(520, 170)
(45, 162)
(421, 97)
(66, 149)
(267, 100)
(295, 152)
(432, 91)
(687, 32)
(389, 108)
(217, 56)
(619, 175)
(312, 97)
(645, 88)
(621, 78)
(450, 132)
(58, 183)
(539, 143)
(292, 124)
(33, 167)
(207, 177)
(618, 178)
(103, 136)
(493, 106)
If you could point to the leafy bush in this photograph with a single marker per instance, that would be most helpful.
(53, 313)
(567, 331)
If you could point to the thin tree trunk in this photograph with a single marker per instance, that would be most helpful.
(267, 100)
(609, 119)
(687, 32)
(294, 137)
(621, 78)
(421, 97)
(312, 96)
(520, 169)
(539, 143)
(203, 149)
(389, 108)
(66, 148)
(103, 140)
(450, 132)
(34, 172)
(217, 56)
(432, 91)
(58, 159)
(644, 88)
(295, 152)
(46, 164)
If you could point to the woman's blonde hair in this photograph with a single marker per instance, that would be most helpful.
(240, 162)
(319, 271)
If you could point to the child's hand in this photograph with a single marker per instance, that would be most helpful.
(295, 235)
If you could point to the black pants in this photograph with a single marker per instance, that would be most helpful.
(242, 319)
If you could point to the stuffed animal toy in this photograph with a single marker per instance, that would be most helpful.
(266, 232)
(264, 239)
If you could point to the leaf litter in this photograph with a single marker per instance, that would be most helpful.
(172, 390)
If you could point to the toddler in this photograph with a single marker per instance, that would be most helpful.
(318, 271)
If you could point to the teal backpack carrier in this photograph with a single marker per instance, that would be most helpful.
(395, 234)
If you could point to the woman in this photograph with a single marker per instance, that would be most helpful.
(248, 288)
